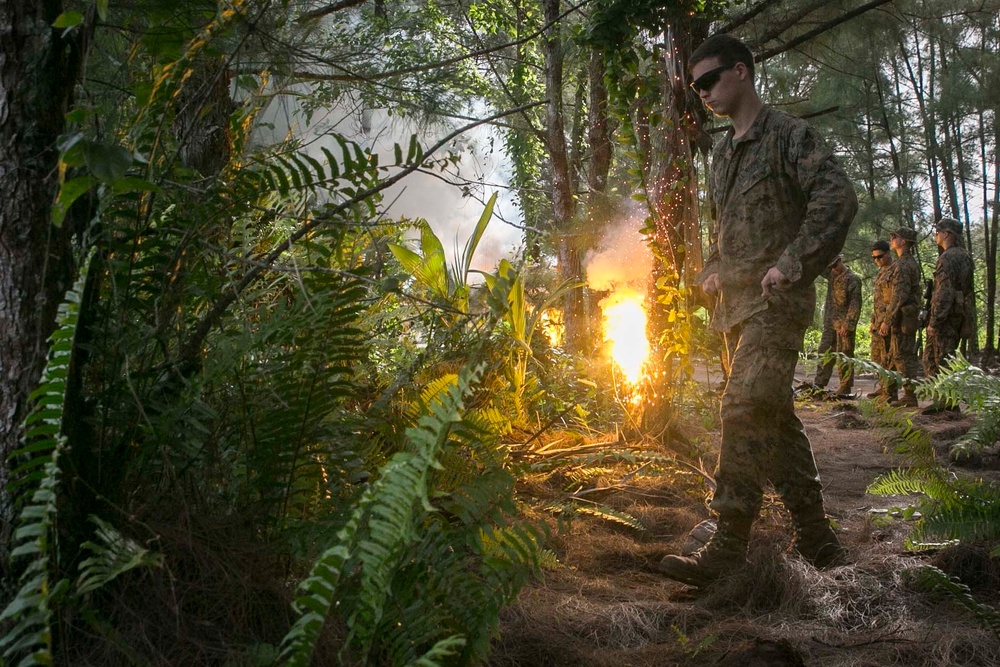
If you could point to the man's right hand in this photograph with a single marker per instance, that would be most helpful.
(712, 284)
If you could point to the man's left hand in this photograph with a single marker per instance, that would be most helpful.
(774, 281)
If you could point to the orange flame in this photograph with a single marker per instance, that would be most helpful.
(625, 329)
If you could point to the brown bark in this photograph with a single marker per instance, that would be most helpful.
(671, 181)
(563, 202)
(37, 73)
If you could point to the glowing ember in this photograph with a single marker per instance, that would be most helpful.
(625, 329)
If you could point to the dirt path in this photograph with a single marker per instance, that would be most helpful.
(607, 606)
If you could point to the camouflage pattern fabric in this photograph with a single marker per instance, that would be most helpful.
(841, 310)
(901, 315)
(762, 439)
(881, 295)
(778, 199)
(953, 284)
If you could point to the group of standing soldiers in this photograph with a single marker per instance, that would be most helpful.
(897, 315)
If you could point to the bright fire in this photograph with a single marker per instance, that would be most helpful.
(625, 329)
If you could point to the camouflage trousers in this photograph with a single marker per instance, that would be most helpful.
(880, 349)
(941, 343)
(881, 354)
(832, 341)
(903, 354)
(762, 439)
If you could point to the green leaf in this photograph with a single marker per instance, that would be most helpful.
(69, 19)
(108, 162)
(69, 192)
(133, 184)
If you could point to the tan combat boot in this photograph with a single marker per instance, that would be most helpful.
(724, 553)
(909, 399)
(817, 543)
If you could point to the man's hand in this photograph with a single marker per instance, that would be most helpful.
(842, 330)
(883, 329)
(774, 281)
(712, 284)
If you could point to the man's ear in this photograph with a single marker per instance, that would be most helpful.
(741, 69)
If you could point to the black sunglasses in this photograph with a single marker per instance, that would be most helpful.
(879, 256)
(709, 78)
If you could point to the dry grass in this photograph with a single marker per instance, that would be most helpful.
(607, 606)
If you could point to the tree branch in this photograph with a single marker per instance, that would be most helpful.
(351, 76)
(329, 9)
(751, 13)
(820, 29)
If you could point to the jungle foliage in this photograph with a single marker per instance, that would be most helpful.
(277, 424)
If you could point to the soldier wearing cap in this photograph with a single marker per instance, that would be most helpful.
(883, 257)
(841, 312)
(901, 317)
(951, 313)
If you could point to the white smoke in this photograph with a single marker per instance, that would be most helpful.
(451, 202)
(621, 258)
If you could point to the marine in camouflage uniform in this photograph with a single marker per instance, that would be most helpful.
(841, 313)
(782, 209)
(779, 200)
(883, 257)
(951, 300)
(902, 314)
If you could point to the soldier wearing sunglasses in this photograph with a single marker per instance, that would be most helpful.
(782, 208)
(881, 297)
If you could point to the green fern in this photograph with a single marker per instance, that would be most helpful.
(935, 580)
(111, 555)
(431, 552)
(569, 509)
(35, 471)
(950, 506)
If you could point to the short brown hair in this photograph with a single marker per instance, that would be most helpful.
(728, 49)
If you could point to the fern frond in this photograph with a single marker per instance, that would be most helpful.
(111, 556)
(934, 579)
(445, 648)
(599, 511)
(902, 482)
(378, 534)
(35, 471)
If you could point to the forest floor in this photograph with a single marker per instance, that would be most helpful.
(606, 605)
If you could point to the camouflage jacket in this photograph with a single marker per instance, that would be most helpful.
(881, 295)
(952, 284)
(778, 199)
(843, 300)
(906, 292)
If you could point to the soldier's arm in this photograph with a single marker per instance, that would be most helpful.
(831, 206)
(711, 267)
(944, 293)
(853, 302)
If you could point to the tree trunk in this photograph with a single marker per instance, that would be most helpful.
(926, 118)
(563, 202)
(37, 74)
(671, 183)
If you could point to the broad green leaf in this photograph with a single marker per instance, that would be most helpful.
(68, 20)
(107, 161)
(133, 184)
(69, 192)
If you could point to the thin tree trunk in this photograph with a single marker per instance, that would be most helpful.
(37, 75)
(916, 80)
(671, 182)
(563, 203)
